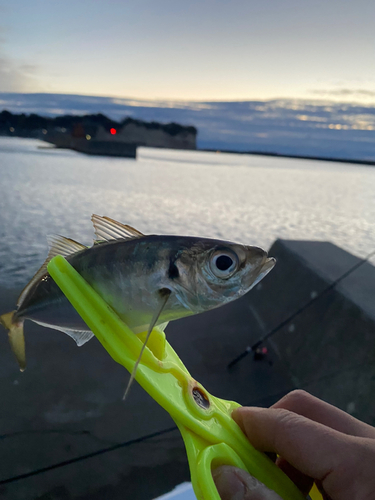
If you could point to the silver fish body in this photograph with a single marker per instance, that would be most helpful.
(147, 280)
(130, 274)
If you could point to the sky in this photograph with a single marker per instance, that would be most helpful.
(198, 50)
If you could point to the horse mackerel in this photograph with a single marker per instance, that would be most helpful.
(148, 280)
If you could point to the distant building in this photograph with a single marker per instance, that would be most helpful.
(122, 139)
(98, 134)
(154, 135)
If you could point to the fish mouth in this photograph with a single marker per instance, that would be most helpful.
(266, 266)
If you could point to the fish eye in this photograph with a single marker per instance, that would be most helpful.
(224, 264)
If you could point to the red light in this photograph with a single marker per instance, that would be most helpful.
(113, 131)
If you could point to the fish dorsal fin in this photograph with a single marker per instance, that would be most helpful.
(58, 245)
(108, 229)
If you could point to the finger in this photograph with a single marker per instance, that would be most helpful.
(236, 484)
(304, 483)
(305, 404)
(309, 446)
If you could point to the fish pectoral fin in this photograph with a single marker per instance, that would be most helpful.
(16, 338)
(108, 229)
(164, 296)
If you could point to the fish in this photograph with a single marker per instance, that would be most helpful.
(148, 280)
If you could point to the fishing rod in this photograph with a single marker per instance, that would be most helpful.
(141, 439)
(101, 451)
(283, 323)
(108, 449)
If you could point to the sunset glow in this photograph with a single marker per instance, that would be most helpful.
(241, 50)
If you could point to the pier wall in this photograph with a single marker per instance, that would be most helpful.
(329, 347)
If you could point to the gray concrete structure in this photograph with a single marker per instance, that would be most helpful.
(65, 432)
(329, 348)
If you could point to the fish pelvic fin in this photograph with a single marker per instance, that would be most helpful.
(16, 337)
(164, 296)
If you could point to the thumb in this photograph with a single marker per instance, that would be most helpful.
(236, 484)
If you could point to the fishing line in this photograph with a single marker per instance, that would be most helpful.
(256, 402)
(102, 451)
(88, 455)
(298, 311)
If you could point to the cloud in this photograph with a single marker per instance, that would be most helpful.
(17, 77)
(345, 92)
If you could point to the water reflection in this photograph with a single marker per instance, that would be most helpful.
(251, 199)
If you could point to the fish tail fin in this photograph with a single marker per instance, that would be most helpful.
(16, 337)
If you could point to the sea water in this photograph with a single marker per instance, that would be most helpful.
(247, 198)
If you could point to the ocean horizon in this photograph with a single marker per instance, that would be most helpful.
(314, 128)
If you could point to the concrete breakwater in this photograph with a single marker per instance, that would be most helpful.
(66, 433)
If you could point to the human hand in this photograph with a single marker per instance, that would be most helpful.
(314, 441)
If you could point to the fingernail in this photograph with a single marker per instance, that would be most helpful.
(232, 483)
